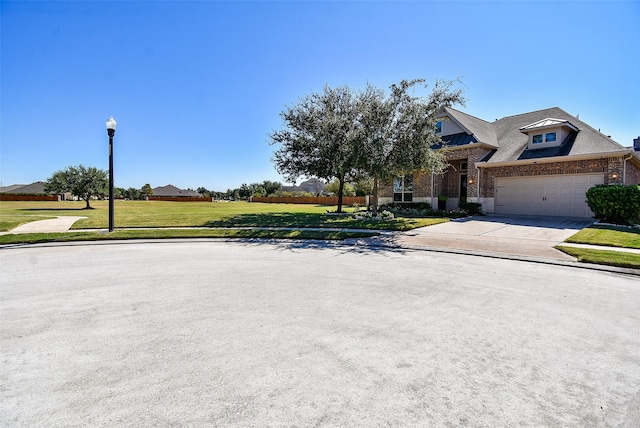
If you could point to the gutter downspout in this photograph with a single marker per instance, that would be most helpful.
(624, 168)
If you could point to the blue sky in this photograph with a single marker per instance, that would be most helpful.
(196, 86)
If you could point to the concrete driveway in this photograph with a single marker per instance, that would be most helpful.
(518, 236)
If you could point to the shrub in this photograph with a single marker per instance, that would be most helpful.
(472, 208)
(614, 203)
(368, 215)
(423, 209)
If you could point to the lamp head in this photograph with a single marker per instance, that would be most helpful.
(111, 126)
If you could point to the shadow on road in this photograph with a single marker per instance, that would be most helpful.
(378, 244)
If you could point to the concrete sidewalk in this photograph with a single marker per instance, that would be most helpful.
(53, 225)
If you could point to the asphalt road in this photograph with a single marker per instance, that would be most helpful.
(204, 333)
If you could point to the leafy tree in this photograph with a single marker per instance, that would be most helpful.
(146, 191)
(258, 190)
(132, 194)
(318, 137)
(83, 182)
(271, 187)
(245, 190)
(204, 192)
(397, 131)
(363, 187)
(334, 187)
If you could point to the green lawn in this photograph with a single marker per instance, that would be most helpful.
(603, 257)
(159, 214)
(32, 238)
(607, 236)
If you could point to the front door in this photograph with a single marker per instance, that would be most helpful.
(463, 189)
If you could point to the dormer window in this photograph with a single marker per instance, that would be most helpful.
(548, 132)
(549, 137)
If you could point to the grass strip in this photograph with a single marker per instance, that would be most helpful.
(34, 238)
(610, 236)
(201, 214)
(603, 257)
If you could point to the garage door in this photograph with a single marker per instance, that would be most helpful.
(553, 195)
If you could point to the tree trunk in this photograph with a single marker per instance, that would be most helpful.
(340, 190)
(374, 207)
(88, 207)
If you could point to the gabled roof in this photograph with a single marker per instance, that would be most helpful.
(508, 135)
(33, 188)
(171, 191)
(11, 188)
(513, 142)
(481, 130)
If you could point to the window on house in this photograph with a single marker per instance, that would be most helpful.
(463, 166)
(537, 139)
(550, 137)
(438, 127)
(403, 188)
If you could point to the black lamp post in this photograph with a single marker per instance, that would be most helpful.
(111, 130)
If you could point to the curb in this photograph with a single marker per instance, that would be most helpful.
(353, 243)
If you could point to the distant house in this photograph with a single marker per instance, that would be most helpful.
(171, 191)
(313, 185)
(36, 188)
(538, 163)
(29, 192)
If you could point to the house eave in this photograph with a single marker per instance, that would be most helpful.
(555, 159)
(469, 146)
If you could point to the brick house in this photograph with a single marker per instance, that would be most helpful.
(538, 163)
(171, 191)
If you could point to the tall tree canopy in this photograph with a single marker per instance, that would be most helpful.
(397, 131)
(338, 135)
(83, 182)
(318, 137)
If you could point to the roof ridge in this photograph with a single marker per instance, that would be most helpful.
(534, 111)
(467, 114)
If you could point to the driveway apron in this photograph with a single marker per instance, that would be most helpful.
(528, 236)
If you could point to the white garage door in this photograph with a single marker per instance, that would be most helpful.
(553, 195)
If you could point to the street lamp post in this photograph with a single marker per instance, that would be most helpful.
(111, 130)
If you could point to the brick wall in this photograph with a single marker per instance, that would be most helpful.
(632, 174)
(421, 186)
(448, 183)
